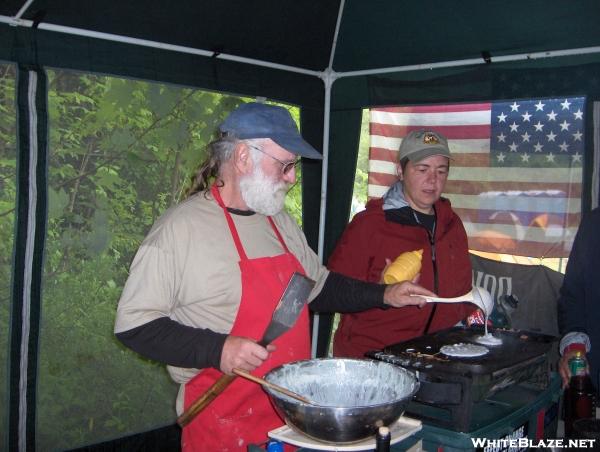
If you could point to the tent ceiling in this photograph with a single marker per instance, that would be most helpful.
(292, 32)
(421, 32)
(300, 33)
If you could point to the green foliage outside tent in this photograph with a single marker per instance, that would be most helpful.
(121, 153)
(7, 215)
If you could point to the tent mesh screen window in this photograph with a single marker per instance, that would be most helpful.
(121, 153)
(8, 186)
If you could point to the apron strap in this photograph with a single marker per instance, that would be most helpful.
(230, 223)
(278, 235)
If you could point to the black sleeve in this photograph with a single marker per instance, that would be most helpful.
(172, 343)
(343, 294)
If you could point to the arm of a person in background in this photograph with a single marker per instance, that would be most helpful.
(341, 293)
(570, 345)
(571, 306)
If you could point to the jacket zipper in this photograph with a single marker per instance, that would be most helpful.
(431, 237)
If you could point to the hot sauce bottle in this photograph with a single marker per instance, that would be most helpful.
(579, 396)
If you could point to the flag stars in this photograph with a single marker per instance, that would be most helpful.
(542, 132)
(576, 157)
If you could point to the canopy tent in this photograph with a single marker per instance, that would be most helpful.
(332, 59)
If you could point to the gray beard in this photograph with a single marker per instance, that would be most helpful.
(261, 194)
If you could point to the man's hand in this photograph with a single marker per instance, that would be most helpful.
(243, 353)
(402, 294)
(563, 367)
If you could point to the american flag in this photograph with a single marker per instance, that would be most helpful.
(516, 175)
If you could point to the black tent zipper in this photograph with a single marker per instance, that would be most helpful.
(431, 235)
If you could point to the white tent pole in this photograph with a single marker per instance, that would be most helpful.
(472, 61)
(23, 9)
(328, 77)
(336, 33)
(16, 21)
(154, 44)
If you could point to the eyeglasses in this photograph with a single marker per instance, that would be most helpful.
(286, 167)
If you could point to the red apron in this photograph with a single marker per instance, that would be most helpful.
(243, 414)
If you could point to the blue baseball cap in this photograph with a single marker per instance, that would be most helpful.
(254, 120)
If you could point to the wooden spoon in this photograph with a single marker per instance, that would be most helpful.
(263, 382)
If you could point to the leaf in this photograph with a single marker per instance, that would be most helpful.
(160, 99)
(122, 138)
(176, 135)
(57, 202)
(107, 178)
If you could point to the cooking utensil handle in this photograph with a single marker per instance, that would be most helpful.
(211, 393)
(202, 402)
(263, 382)
(467, 297)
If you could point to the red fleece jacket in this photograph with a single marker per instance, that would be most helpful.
(361, 252)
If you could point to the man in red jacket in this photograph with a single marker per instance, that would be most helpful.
(412, 215)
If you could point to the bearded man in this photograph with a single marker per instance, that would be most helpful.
(208, 276)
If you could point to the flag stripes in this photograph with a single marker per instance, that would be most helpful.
(515, 174)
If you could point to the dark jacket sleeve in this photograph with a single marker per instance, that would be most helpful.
(343, 294)
(170, 342)
(572, 300)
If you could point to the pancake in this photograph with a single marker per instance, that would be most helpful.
(462, 350)
(488, 339)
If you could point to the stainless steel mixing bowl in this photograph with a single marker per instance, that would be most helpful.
(353, 397)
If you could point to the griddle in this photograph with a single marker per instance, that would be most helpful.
(456, 384)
